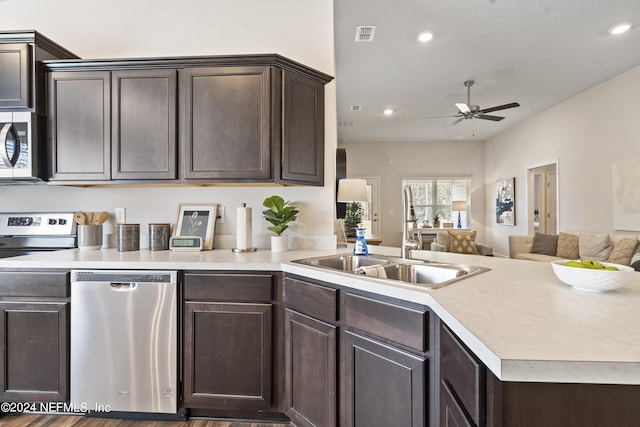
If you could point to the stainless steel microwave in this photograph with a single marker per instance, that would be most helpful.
(20, 146)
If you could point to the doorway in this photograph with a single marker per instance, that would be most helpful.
(542, 201)
(371, 209)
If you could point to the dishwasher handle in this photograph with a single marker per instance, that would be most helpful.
(123, 286)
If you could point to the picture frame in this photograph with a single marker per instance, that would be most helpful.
(506, 201)
(197, 220)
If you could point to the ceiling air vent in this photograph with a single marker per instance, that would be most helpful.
(356, 107)
(364, 33)
(346, 124)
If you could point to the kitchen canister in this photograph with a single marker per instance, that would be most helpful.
(159, 235)
(128, 237)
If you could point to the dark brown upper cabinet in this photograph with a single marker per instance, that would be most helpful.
(143, 124)
(22, 82)
(112, 125)
(79, 117)
(249, 119)
(226, 123)
(302, 130)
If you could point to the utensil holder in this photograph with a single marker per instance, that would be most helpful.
(89, 237)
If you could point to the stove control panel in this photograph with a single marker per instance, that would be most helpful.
(42, 224)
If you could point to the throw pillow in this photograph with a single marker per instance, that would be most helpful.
(594, 246)
(568, 246)
(635, 258)
(636, 265)
(463, 242)
(622, 251)
(546, 244)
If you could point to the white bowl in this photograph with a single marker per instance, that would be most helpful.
(593, 280)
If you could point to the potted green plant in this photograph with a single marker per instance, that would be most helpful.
(279, 214)
(353, 217)
(436, 220)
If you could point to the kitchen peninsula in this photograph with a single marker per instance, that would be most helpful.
(539, 350)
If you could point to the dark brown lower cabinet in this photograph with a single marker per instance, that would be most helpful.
(451, 413)
(230, 362)
(310, 370)
(383, 386)
(470, 395)
(230, 355)
(34, 336)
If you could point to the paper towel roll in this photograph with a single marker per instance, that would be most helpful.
(243, 235)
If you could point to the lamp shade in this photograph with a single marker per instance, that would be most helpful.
(459, 205)
(352, 190)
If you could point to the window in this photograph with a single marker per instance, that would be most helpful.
(435, 195)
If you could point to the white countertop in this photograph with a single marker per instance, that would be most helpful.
(518, 318)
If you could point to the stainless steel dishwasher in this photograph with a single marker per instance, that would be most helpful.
(124, 341)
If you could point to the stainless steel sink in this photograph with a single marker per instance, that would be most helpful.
(425, 274)
(348, 262)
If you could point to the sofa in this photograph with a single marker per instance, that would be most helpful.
(617, 248)
(459, 242)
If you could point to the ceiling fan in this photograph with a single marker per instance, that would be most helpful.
(470, 111)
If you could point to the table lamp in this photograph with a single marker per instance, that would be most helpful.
(459, 205)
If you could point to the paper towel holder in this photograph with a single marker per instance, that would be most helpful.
(242, 250)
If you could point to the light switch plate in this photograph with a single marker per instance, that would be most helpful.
(121, 215)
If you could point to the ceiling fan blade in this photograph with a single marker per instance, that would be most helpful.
(437, 117)
(499, 107)
(487, 117)
(455, 122)
(464, 108)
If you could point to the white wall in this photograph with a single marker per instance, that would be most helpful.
(301, 30)
(586, 135)
(393, 161)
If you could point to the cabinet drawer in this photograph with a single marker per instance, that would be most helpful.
(311, 299)
(403, 325)
(228, 287)
(42, 283)
(462, 374)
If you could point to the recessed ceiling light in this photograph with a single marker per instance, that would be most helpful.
(620, 28)
(388, 112)
(425, 37)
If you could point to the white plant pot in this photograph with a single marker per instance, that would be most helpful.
(279, 243)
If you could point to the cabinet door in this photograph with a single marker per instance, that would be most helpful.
(227, 355)
(310, 371)
(34, 349)
(302, 157)
(381, 385)
(451, 413)
(225, 121)
(79, 126)
(464, 377)
(15, 69)
(144, 117)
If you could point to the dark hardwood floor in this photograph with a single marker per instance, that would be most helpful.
(35, 420)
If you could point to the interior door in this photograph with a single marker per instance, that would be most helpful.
(371, 209)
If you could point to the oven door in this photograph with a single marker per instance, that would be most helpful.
(17, 152)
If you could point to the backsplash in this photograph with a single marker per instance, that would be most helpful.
(144, 205)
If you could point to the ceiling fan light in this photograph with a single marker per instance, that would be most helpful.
(425, 37)
(464, 108)
(388, 112)
(620, 28)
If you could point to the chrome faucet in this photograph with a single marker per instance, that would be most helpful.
(408, 216)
